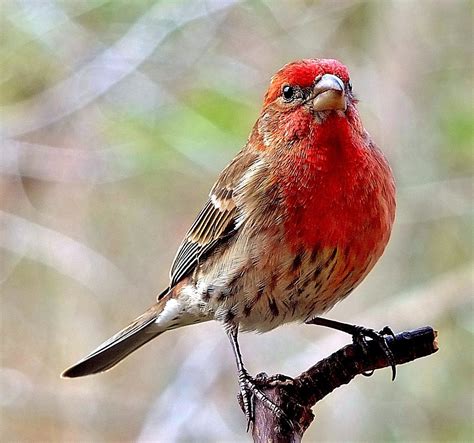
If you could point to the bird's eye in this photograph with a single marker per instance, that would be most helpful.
(288, 92)
(349, 86)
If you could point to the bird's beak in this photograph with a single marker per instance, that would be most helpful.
(328, 94)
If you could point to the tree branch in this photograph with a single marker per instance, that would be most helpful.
(297, 396)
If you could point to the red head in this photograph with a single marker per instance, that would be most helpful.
(304, 75)
(308, 99)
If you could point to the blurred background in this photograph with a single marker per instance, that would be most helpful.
(117, 116)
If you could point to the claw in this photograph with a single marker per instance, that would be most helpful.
(247, 398)
(249, 391)
(263, 378)
(360, 338)
(387, 330)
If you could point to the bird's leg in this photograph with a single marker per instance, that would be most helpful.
(244, 377)
(247, 385)
(359, 336)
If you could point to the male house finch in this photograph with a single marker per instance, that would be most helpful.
(293, 224)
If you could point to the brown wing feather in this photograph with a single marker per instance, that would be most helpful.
(215, 222)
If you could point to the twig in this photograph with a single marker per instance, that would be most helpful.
(297, 396)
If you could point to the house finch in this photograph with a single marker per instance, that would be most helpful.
(293, 224)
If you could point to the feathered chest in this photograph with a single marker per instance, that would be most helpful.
(335, 198)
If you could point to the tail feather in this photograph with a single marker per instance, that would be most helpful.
(116, 348)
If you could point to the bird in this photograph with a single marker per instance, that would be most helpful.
(292, 225)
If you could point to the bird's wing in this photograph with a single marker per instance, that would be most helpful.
(217, 221)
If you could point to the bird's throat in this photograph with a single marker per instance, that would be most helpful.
(332, 196)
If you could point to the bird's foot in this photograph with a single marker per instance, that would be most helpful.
(249, 391)
(360, 336)
(276, 379)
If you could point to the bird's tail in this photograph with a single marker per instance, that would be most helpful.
(129, 339)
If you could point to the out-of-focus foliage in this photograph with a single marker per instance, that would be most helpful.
(116, 118)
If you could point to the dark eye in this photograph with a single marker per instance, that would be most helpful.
(349, 86)
(288, 92)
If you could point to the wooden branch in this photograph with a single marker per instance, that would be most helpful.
(297, 396)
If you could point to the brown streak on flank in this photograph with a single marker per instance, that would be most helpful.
(331, 269)
(305, 282)
(317, 272)
(292, 306)
(317, 287)
(273, 281)
(348, 269)
(292, 284)
(249, 305)
(300, 290)
(273, 307)
(315, 253)
(248, 309)
(260, 292)
(331, 258)
(297, 261)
